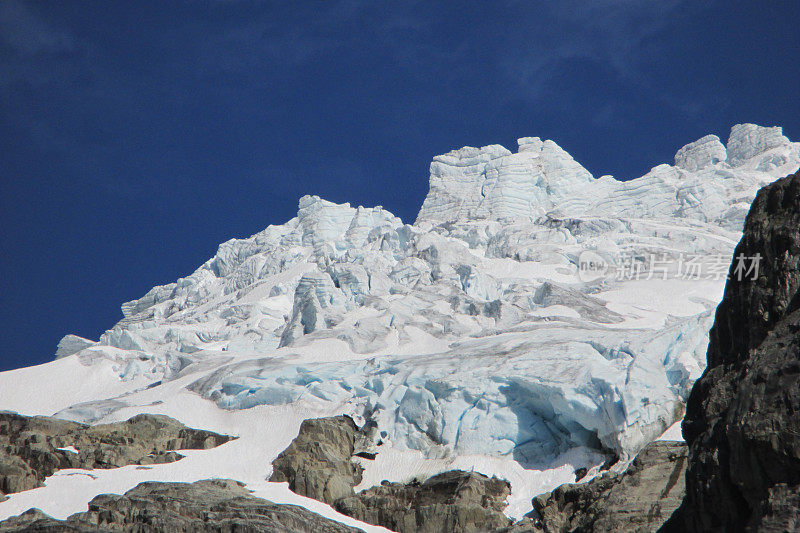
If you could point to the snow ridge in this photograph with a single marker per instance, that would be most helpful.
(493, 183)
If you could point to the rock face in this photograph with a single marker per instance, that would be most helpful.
(640, 499)
(218, 505)
(318, 462)
(743, 416)
(36, 520)
(451, 502)
(32, 448)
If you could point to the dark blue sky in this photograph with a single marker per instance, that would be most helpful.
(137, 136)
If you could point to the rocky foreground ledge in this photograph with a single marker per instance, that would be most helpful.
(34, 447)
(205, 506)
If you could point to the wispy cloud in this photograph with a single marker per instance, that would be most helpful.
(23, 32)
(301, 33)
(621, 37)
(240, 44)
(26, 41)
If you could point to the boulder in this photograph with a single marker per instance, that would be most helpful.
(450, 502)
(318, 462)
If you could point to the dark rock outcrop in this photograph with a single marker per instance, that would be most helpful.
(640, 499)
(318, 463)
(34, 520)
(451, 502)
(219, 505)
(29, 446)
(742, 420)
(589, 307)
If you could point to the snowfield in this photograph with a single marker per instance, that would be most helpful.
(472, 338)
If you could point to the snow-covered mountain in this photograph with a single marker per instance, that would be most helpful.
(532, 321)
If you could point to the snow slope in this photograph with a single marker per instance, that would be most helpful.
(474, 338)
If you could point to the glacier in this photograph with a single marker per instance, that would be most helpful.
(472, 332)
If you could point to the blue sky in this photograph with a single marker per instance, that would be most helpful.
(137, 136)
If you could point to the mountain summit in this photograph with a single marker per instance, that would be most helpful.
(533, 321)
(493, 183)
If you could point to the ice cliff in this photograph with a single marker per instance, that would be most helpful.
(474, 330)
(710, 182)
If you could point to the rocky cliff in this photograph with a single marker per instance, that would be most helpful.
(641, 499)
(212, 505)
(32, 448)
(319, 464)
(450, 502)
(743, 416)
